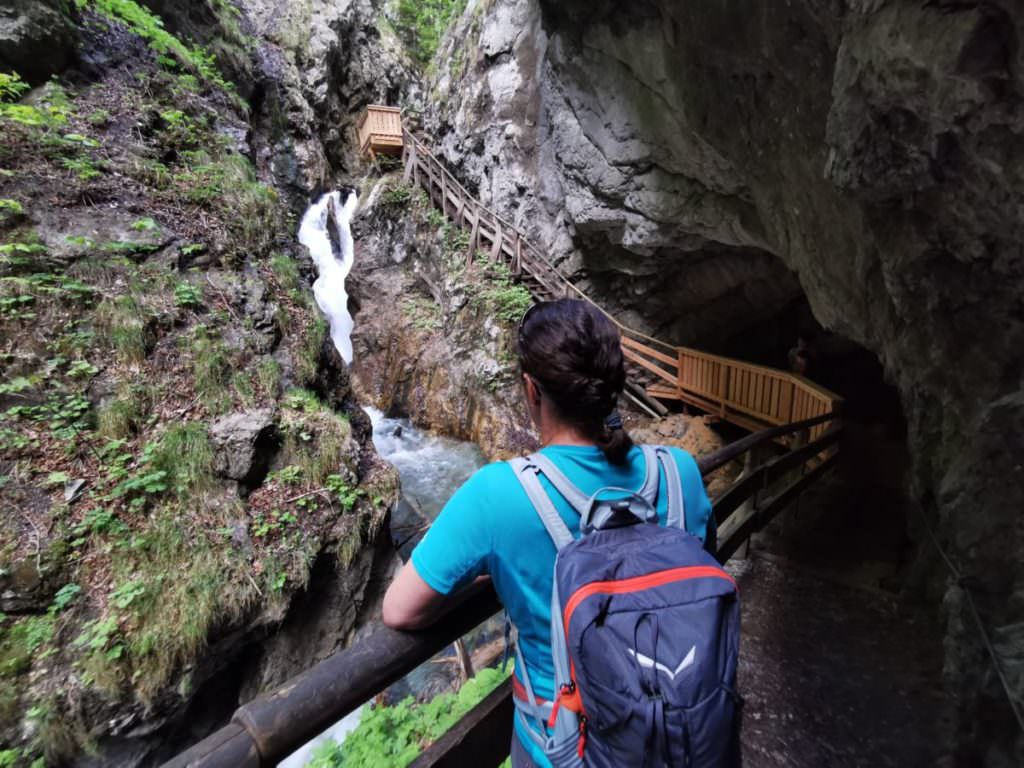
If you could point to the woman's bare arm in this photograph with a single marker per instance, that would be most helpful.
(411, 603)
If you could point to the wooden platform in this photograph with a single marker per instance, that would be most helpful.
(380, 131)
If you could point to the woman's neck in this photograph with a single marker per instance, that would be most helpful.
(561, 434)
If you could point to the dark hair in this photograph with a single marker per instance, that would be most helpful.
(573, 352)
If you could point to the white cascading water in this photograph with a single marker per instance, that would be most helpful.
(333, 261)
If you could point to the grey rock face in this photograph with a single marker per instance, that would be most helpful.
(29, 27)
(319, 63)
(695, 164)
(244, 445)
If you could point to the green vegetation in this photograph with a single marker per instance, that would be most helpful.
(421, 24)
(12, 87)
(504, 299)
(424, 313)
(396, 195)
(392, 737)
(184, 455)
(121, 323)
(53, 110)
(308, 357)
(229, 187)
(315, 436)
(171, 52)
(188, 296)
(268, 374)
(210, 370)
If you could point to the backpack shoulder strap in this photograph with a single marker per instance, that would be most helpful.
(674, 488)
(526, 472)
(649, 490)
(578, 500)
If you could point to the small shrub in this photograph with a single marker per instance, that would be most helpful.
(188, 296)
(12, 87)
(118, 418)
(307, 360)
(99, 118)
(392, 737)
(396, 196)
(83, 167)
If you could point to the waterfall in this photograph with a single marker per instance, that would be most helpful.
(333, 258)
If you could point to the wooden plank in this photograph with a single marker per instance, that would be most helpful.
(672, 360)
(644, 363)
(481, 738)
(444, 195)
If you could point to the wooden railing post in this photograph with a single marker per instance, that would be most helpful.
(474, 236)
(517, 254)
(410, 162)
(680, 366)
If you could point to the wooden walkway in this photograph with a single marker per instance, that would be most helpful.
(751, 396)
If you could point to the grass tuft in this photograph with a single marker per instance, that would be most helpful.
(121, 324)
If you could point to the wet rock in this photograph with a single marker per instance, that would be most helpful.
(244, 445)
(36, 38)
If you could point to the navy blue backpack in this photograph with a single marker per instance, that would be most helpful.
(644, 631)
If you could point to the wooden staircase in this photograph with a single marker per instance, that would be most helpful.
(751, 396)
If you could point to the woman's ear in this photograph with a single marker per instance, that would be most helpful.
(532, 390)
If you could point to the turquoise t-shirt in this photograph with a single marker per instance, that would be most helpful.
(490, 527)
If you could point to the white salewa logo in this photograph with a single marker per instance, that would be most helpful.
(643, 661)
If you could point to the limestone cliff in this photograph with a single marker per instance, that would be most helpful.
(433, 337)
(697, 164)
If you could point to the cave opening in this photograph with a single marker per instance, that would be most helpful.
(744, 303)
(856, 519)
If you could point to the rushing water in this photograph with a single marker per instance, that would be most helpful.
(431, 469)
(332, 250)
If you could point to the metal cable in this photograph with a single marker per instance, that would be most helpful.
(958, 577)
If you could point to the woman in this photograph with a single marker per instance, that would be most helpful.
(572, 367)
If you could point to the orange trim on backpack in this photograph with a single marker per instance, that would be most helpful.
(636, 583)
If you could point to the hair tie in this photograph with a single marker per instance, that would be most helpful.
(613, 421)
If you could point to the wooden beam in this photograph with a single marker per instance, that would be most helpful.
(496, 243)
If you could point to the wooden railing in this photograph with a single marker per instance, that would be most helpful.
(751, 396)
(380, 130)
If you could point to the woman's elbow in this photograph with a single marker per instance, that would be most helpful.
(396, 617)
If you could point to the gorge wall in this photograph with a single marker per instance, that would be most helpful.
(698, 164)
(196, 508)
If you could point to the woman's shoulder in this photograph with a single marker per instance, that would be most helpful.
(491, 478)
(686, 462)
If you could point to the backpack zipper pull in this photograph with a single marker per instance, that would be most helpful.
(568, 696)
(582, 743)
